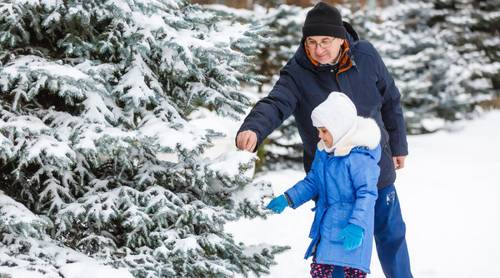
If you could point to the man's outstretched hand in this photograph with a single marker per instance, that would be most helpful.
(246, 140)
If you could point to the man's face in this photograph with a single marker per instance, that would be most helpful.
(324, 49)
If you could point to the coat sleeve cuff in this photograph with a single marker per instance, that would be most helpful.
(291, 194)
(290, 203)
(356, 222)
(399, 151)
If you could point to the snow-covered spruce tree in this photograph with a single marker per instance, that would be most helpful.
(284, 23)
(473, 28)
(413, 55)
(437, 80)
(91, 93)
(26, 250)
(282, 35)
(283, 148)
(487, 28)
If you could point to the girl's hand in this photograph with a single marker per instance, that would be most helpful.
(352, 236)
(278, 204)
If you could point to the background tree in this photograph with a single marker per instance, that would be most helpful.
(440, 75)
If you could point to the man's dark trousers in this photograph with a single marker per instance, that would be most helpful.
(389, 233)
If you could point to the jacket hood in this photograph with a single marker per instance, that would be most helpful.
(366, 134)
(301, 57)
(338, 115)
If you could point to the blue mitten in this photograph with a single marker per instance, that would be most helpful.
(278, 204)
(352, 236)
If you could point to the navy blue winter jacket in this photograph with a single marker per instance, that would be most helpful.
(303, 85)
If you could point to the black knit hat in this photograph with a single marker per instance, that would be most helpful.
(324, 20)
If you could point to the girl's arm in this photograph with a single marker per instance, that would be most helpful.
(364, 173)
(307, 188)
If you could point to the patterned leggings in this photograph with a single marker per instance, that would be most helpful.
(326, 271)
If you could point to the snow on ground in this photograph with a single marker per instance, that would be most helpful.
(59, 262)
(449, 193)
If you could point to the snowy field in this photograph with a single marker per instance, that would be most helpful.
(449, 193)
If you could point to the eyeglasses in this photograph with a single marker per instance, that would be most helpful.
(323, 44)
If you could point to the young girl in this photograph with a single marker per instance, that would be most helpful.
(343, 181)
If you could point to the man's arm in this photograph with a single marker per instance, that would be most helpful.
(392, 113)
(268, 113)
(307, 188)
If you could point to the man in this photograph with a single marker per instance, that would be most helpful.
(332, 58)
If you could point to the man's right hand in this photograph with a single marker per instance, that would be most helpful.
(246, 140)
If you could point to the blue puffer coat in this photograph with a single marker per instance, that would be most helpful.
(346, 191)
(302, 86)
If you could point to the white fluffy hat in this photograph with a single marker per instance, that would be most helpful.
(337, 114)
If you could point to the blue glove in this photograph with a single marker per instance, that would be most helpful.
(352, 236)
(278, 204)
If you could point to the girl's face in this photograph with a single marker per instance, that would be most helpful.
(326, 136)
